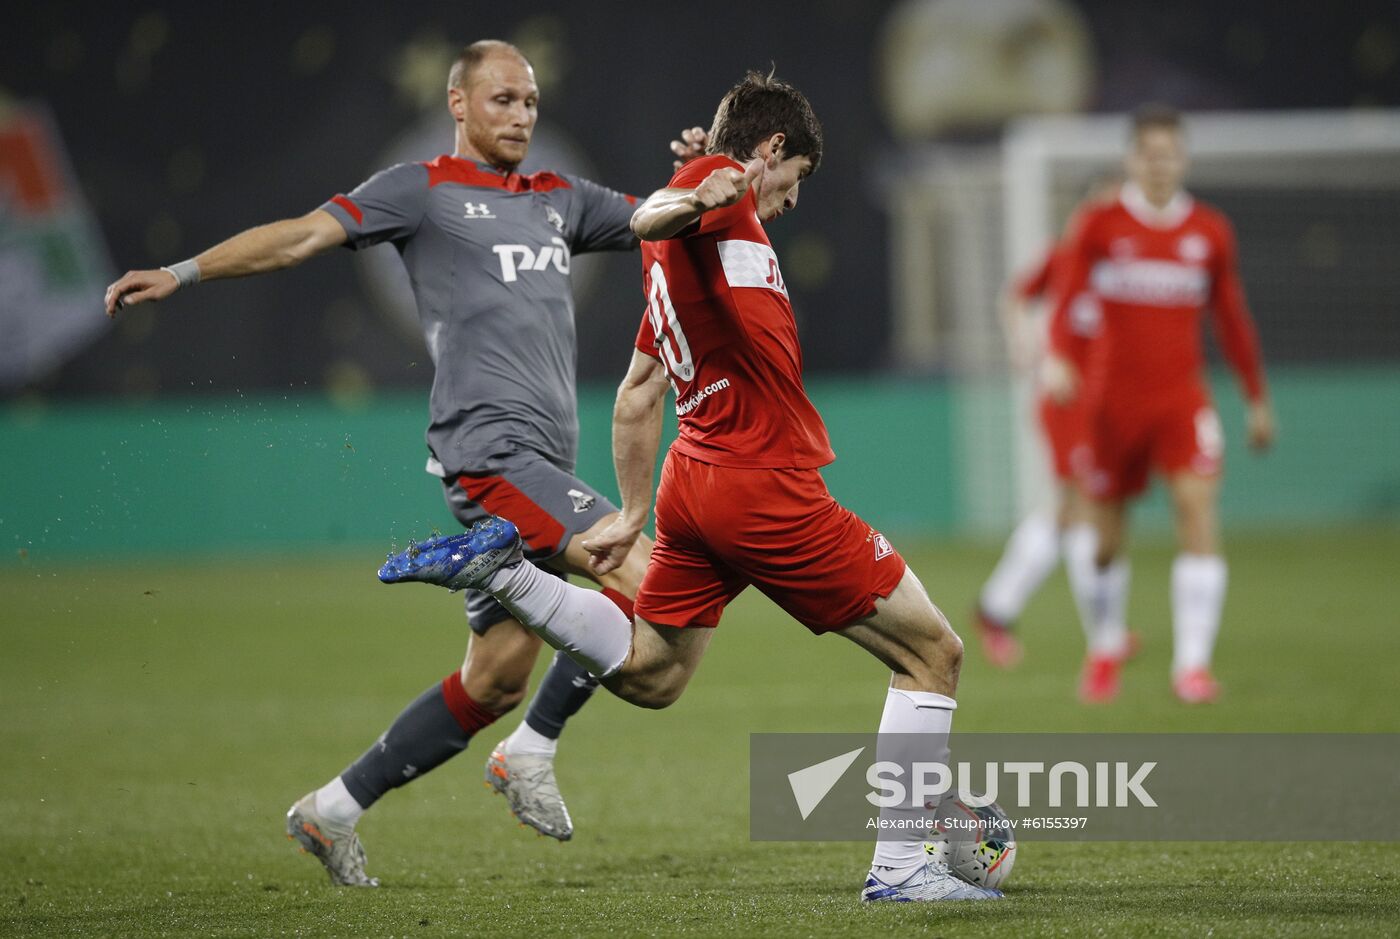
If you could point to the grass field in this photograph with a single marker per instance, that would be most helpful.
(160, 717)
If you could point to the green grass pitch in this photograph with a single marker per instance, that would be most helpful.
(160, 717)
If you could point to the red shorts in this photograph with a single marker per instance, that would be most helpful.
(1066, 428)
(719, 529)
(1171, 434)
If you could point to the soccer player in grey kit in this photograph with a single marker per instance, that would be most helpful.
(488, 252)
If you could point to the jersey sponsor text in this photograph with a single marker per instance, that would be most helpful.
(691, 403)
(516, 258)
(1151, 283)
(750, 264)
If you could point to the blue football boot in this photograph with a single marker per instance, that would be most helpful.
(457, 561)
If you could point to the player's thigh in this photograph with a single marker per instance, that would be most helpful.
(687, 583)
(627, 578)
(1118, 453)
(911, 636)
(660, 664)
(551, 507)
(1065, 429)
(1189, 438)
(782, 532)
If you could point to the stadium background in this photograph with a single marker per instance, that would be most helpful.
(289, 408)
(192, 498)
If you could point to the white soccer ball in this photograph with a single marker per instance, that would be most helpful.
(976, 843)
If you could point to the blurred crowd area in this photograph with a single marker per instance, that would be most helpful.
(133, 135)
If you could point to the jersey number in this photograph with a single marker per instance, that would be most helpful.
(670, 338)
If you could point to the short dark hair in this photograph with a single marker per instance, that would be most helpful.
(1152, 116)
(759, 107)
(473, 55)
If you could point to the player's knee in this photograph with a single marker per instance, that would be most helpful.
(495, 693)
(499, 700)
(1106, 549)
(947, 647)
(653, 690)
(937, 654)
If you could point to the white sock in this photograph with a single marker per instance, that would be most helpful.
(1198, 596)
(1030, 555)
(335, 804)
(584, 624)
(930, 716)
(1078, 544)
(527, 740)
(1107, 628)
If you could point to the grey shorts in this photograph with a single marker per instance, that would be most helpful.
(549, 506)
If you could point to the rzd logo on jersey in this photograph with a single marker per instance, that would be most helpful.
(517, 258)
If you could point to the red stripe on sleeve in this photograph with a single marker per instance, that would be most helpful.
(350, 207)
(538, 529)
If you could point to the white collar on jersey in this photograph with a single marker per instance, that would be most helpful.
(1169, 216)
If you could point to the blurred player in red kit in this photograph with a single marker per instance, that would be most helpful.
(1062, 530)
(1156, 259)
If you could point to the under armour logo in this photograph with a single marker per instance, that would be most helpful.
(582, 500)
(476, 210)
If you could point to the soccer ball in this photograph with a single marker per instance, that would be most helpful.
(976, 844)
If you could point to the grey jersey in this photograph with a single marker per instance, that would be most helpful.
(488, 258)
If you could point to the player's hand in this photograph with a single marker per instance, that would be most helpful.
(1261, 426)
(1059, 378)
(1020, 340)
(608, 549)
(691, 146)
(726, 186)
(135, 287)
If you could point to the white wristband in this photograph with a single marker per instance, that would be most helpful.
(185, 273)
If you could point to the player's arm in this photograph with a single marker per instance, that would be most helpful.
(637, 423)
(266, 248)
(669, 212)
(1059, 377)
(1240, 342)
(1014, 312)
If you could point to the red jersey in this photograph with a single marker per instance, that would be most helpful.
(719, 319)
(1154, 271)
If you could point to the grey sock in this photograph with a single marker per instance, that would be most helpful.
(566, 687)
(433, 729)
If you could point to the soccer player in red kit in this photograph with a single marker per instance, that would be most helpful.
(741, 499)
(1046, 534)
(1156, 259)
